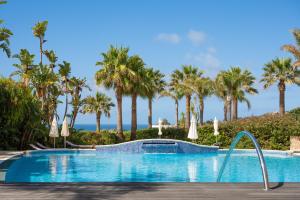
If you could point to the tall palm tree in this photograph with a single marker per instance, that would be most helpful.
(64, 72)
(52, 58)
(221, 92)
(134, 88)
(176, 95)
(98, 104)
(76, 85)
(294, 49)
(25, 67)
(115, 73)
(202, 87)
(154, 84)
(238, 81)
(39, 30)
(282, 72)
(181, 80)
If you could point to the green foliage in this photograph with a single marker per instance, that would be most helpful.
(20, 116)
(271, 131)
(96, 138)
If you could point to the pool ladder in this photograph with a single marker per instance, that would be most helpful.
(259, 154)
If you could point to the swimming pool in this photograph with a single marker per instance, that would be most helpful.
(95, 166)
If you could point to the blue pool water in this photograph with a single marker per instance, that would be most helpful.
(93, 166)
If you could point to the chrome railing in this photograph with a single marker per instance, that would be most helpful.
(259, 154)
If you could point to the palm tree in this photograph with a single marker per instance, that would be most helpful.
(176, 95)
(237, 83)
(76, 85)
(115, 73)
(39, 31)
(99, 104)
(52, 58)
(134, 88)
(154, 84)
(41, 79)
(5, 34)
(181, 80)
(64, 72)
(25, 67)
(203, 87)
(221, 92)
(295, 50)
(281, 71)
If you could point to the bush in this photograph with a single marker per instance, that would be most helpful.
(96, 138)
(170, 133)
(20, 116)
(271, 131)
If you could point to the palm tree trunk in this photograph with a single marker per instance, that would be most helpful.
(75, 112)
(119, 114)
(225, 110)
(281, 87)
(201, 108)
(149, 112)
(133, 116)
(98, 117)
(187, 111)
(41, 50)
(235, 108)
(230, 109)
(66, 106)
(176, 105)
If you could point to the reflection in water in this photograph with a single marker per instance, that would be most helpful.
(215, 166)
(53, 165)
(64, 163)
(192, 169)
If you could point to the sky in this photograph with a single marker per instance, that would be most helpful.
(210, 34)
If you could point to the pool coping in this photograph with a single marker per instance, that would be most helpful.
(163, 139)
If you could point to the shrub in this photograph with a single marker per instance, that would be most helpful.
(20, 116)
(85, 137)
(271, 131)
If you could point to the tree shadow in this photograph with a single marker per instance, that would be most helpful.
(75, 191)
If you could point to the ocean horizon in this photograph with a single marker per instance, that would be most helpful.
(92, 127)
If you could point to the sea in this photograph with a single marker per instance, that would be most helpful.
(92, 127)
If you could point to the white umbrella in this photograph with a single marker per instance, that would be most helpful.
(54, 130)
(193, 129)
(159, 127)
(216, 128)
(65, 131)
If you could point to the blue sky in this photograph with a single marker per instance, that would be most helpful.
(212, 35)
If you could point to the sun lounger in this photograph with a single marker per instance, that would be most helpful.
(39, 145)
(80, 146)
(34, 147)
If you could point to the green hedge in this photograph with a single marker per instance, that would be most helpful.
(271, 131)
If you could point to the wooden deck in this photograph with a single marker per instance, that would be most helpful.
(148, 191)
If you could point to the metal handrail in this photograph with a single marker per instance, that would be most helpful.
(259, 154)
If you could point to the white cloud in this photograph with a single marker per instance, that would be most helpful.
(168, 37)
(205, 60)
(196, 37)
